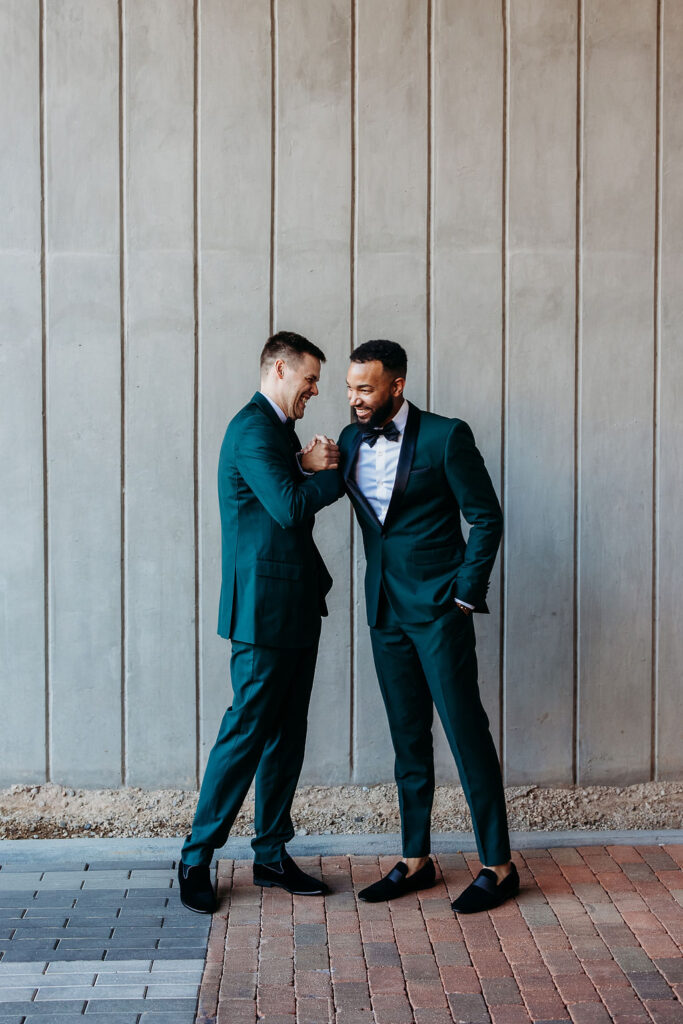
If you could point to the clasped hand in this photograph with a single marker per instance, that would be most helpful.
(320, 453)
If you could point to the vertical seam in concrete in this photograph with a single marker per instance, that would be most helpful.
(44, 384)
(657, 321)
(429, 284)
(505, 322)
(578, 334)
(353, 243)
(273, 164)
(122, 383)
(196, 14)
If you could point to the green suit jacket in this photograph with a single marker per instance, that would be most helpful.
(274, 580)
(419, 555)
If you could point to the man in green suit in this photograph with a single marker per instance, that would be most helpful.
(410, 474)
(273, 591)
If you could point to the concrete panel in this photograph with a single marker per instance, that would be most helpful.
(22, 665)
(466, 264)
(615, 506)
(159, 394)
(235, 174)
(539, 566)
(391, 262)
(312, 231)
(365, 186)
(669, 749)
(83, 376)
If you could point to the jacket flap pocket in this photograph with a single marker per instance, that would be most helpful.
(277, 570)
(445, 553)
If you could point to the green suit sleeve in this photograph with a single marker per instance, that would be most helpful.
(267, 470)
(471, 485)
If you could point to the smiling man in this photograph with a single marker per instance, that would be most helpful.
(272, 599)
(410, 474)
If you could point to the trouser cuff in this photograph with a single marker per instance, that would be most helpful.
(193, 854)
(271, 855)
(500, 856)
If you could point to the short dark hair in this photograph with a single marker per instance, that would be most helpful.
(390, 354)
(286, 344)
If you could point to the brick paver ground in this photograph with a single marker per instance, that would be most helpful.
(596, 935)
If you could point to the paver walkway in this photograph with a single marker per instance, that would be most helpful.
(109, 941)
(596, 935)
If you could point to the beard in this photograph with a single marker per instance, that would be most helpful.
(381, 413)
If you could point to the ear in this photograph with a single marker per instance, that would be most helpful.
(397, 386)
(279, 367)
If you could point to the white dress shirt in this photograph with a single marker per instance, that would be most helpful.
(376, 467)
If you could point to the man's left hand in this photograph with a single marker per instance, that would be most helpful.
(320, 453)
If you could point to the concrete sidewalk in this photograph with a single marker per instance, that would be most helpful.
(92, 930)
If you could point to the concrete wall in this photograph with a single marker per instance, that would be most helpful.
(496, 185)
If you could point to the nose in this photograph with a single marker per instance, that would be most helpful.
(314, 389)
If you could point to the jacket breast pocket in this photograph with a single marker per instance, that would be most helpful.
(277, 570)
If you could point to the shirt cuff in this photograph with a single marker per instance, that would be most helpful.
(306, 472)
(465, 604)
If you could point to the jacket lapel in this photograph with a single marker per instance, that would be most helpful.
(351, 486)
(267, 408)
(405, 462)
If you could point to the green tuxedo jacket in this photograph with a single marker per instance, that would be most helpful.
(274, 580)
(419, 555)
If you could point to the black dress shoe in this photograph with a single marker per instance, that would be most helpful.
(486, 892)
(196, 891)
(285, 874)
(396, 884)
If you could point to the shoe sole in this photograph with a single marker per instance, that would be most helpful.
(293, 892)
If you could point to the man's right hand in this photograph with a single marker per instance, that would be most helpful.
(320, 453)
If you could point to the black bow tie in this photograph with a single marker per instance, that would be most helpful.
(389, 430)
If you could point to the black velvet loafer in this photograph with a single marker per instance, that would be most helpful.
(396, 884)
(196, 891)
(287, 875)
(486, 892)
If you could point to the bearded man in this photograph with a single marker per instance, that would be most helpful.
(410, 474)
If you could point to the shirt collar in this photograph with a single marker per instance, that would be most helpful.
(280, 415)
(401, 417)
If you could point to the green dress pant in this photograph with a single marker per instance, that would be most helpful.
(262, 736)
(425, 665)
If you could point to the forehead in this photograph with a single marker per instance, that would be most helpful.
(371, 373)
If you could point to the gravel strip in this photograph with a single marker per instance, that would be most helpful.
(54, 812)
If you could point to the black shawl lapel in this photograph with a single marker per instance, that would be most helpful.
(351, 486)
(353, 455)
(405, 461)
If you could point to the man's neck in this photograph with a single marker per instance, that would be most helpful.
(397, 406)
